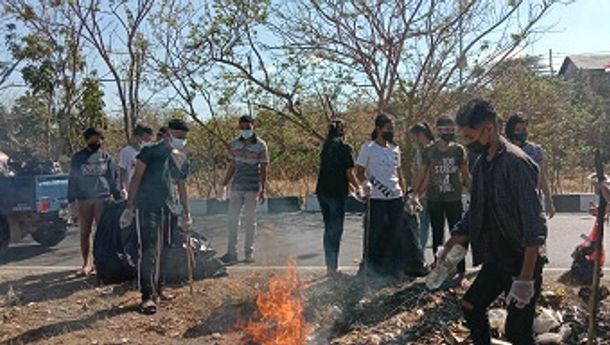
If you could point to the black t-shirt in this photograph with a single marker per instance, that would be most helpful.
(163, 168)
(336, 158)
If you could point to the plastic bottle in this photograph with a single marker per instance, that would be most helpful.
(440, 273)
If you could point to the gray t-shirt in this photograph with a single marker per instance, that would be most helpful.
(248, 157)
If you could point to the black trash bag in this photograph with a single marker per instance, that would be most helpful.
(115, 251)
(175, 258)
(413, 255)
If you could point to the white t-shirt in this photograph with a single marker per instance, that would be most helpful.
(382, 164)
(127, 160)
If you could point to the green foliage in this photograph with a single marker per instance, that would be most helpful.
(562, 115)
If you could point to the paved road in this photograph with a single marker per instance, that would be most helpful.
(284, 236)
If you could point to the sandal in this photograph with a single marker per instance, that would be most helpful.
(165, 297)
(148, 307)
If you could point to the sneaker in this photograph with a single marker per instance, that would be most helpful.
(229, 259)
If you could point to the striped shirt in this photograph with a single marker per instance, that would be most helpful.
(248, 157)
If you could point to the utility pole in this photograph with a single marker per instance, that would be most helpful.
(551, 62)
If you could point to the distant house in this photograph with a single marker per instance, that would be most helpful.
(594, 66)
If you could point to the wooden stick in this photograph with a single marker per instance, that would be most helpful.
(598, 246)
(189, 258)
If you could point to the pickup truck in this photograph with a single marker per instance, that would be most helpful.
(33, 205)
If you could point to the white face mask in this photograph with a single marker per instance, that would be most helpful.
(246, 133)
(178, 144)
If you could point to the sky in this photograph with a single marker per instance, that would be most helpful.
(580, 27)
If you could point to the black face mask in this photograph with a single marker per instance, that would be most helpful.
(521, 137)
(94, 146)
(448, 137)
(388, 136)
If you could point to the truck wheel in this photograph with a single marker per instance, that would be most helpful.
(5, 235)
(49, 237)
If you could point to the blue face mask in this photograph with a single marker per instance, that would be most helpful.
(246, 133)
(178, 144)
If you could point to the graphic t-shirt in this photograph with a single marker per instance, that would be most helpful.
(127, 160)
(381, 164)
(444, 183)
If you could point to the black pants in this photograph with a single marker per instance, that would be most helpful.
(154, 229)
(333, 213)
(382, 243)
(489, 284)
(439, 211)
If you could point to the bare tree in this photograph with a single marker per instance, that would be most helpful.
(253, 71)
(115, 30)
(424, 54)
(181, 71)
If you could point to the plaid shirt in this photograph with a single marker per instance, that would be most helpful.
(505, 214)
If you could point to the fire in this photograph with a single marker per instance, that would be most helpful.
(281, 311)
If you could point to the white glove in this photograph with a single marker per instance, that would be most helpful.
(413, 205)
(521, 293)
(187, 222)
(441, 255)
(124, 194)
(73, 210)
(126, 218)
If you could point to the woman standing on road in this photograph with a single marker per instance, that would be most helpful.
(334, 181)
(379, 168)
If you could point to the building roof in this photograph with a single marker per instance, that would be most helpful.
(586, 62)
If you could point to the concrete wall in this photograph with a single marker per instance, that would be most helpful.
(204, 207)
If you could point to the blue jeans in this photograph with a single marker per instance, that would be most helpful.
(333, 213)
(424, 225)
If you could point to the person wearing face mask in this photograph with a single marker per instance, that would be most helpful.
(161, 171)
(334, 181)
(140, 137)
(505, 226)
(92, 181)
(443, 173)
(422, 137)
(378, 169)
(517, 133)
(248, 173)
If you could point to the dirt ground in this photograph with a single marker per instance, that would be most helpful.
(57, 308)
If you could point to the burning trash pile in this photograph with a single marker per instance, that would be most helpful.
(281, 313)
(407, 313)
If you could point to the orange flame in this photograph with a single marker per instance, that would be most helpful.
(281, 311)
